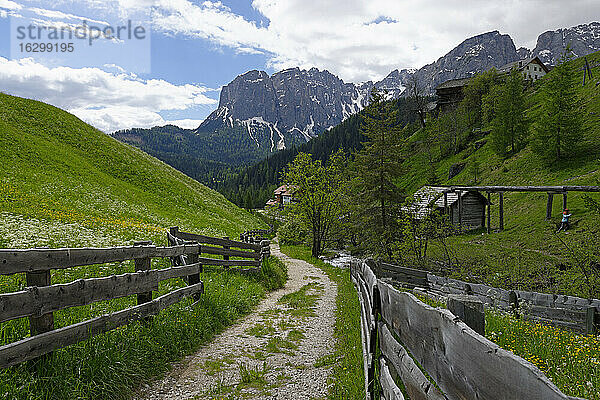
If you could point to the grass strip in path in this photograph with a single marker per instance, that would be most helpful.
(347, 377)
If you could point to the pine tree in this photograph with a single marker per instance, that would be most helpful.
(559, 127)
(376, 168)
(510, 125)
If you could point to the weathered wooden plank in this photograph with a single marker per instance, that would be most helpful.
(229, 263)
(572, 326)
(36, 301)
(405, 270)
(465, 365)
(557, 313)
(33, 347)
(555, 189)
(416, 383)
(14, 261)
(368, 274)
(365, 347)
(202, 239)
(176, 251)
(229, 252)
(388, 386)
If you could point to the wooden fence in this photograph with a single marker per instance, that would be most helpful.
(574, 313)
(433, 353)
(40, 299)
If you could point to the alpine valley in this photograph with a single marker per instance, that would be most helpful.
(260, 114)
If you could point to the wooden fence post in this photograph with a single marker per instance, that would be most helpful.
(549, 206)
(226, 257)
(501, 210)
(513, 300)
(45, 322)
(174, 231)
(469, 309)
(489, 213)
(564, 200)
(459, 210)
(590, 320)
(143, 264)
(194, 278)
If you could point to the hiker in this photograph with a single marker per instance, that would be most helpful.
(564, 224)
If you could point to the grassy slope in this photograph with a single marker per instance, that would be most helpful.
(55, 167)
(63, 183)
(528, 243)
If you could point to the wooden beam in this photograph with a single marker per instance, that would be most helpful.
(216, 241)
(564, 200)
(14, 261)
(33, 347)
(501, 211)
(549, 206)
(555, 189)
(446, 203)
(36, 301)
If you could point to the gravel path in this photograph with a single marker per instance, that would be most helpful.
(276, 352)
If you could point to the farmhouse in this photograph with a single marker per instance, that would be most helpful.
(468, 212)
(450, 93)
(284, 194)
(532, 68)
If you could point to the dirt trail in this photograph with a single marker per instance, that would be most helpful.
(277, 352)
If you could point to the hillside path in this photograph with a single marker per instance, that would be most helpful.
(276, 347)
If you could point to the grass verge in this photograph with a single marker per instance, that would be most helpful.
(347, 378)
(112, 365)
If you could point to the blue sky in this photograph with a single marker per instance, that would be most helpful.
(195, 47)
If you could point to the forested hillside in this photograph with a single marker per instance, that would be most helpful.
(506, 131)
(252, 186)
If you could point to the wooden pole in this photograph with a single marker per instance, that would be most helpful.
(446, 203)
(501, 211)
(194, 278)
(226, 257)
(564, 200)
(45, 322)
(549, 206)
(489, 213)
(459, 209)
(590, 316)
(143, 264)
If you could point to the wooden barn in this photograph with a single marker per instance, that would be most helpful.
(469, 212)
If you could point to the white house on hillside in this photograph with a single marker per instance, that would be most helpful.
(532, 68)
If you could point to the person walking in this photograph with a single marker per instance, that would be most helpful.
(564, 224)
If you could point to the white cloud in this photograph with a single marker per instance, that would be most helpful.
(185, 123)
(109, 101)
(10, 5)
(359, 39)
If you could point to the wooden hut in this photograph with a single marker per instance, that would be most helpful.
(469, 212)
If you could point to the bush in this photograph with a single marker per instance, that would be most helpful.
(292, 233)
(273, 273)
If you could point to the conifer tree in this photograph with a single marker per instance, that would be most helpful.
(375, 195)
(559, 127)
(510, 125)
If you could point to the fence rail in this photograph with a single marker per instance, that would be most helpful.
(41, 299)
(461, 363)
(574, 313)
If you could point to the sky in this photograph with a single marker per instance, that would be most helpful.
(172, 68)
